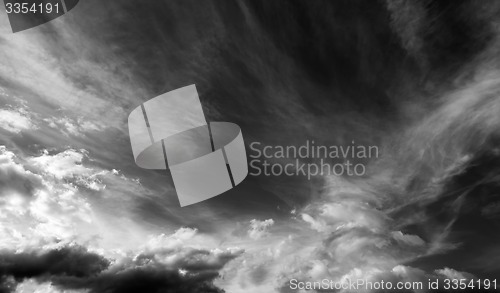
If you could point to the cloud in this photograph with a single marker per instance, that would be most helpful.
(16, 178)
(316, 225)
(33, 271)
(492, 210)
(56, 197)
(32, 286)
(44, 77)
(408, 239)
(453, 274)
(16, 120)
(259, 229)
(38, 251)
(68, 165)
(363, 236)
(72, 261)
(405, 209)
(75, 127)
(179, 267)
(261, 268)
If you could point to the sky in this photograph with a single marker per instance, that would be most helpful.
(417, 79)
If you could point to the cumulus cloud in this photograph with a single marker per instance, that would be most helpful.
(16, 120)
(37, 206)
(68, 165)
(48, 198)
(46, 211)
(259, 229)
(65, 164)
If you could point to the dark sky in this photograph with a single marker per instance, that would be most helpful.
(417, 79)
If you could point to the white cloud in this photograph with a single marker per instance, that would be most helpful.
(75, 127)
(408, 239)
(32, 286)
(66, 164)
(453, 274)
(408, 273)
(261, 267)
(316, 225)
(70, 80)
(42, 209)
(179, 238)
(45, 199)
(259, 229)
(69, 165)
(15, 120)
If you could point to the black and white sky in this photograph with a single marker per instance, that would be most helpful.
(418, 79)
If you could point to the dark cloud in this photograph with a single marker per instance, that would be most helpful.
(74, 261)
(150, 278)
(190, 270)
(74, 267)
(15, 178)
(7, 284)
